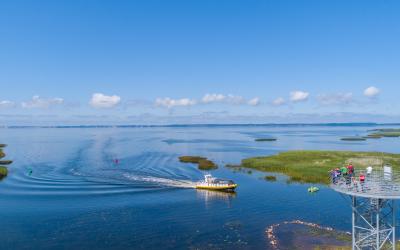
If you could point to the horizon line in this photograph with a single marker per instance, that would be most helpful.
(203, 125)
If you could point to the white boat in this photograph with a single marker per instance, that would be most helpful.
(212, 183)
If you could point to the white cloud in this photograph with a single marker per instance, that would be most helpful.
(38, 102)
(209, 98)
(235, 99)
(229, 99)
(220, 98)
(7, 104)
(335, 99)
(371, 92)
(100, 100)
(170, 103)
(278, 101)
(254, 101)
(299, 96)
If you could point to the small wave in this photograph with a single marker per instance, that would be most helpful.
(162, 181)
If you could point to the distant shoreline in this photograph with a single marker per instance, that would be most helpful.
(365, 124)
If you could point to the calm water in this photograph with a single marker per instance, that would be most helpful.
(77, 198)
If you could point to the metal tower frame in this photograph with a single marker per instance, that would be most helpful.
(373, 223)
(373, 203)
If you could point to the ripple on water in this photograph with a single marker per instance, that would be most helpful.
(146, 172)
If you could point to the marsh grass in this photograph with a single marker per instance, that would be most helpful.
(354, 138)
(265, 139)
(270, 178)
(3, 172)
(3, 169)
(326, 247)
(388, 132)
(313, 166)
(202, 162)
(373, 136)
(330, 247)
(340, 236)
(6, 162)
(206, 165)
(191, 159)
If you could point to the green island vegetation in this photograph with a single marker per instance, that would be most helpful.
(270, 178)
(3, 169)
(234, 166)
(310, 236)
(265, 139)
(6, 162)
(330, 247)
(337, 235)
(3, 172)
(375, 134)
(207, 165)
(353, 138)
(388, 132)
(202, 162)
(191, 159)
(308, 166)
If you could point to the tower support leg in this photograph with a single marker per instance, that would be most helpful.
(378, 243)
(394, 224)
(373, 223)
(353, 219)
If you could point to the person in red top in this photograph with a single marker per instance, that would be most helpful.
(362, 181)
(350, 170)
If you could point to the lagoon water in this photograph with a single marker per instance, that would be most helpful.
(77, 197)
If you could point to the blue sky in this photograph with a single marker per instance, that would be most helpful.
(64, 60)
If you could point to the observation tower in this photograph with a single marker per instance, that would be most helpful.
(373, 203)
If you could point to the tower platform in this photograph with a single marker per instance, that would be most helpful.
(373, 203)
(379, 184)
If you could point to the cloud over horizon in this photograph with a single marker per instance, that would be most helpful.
(229, 99)
(279, 101)
(254, 101)
(371, 92)
(220, 98)
(38, 102)
(100, 100)
(295, 102)
(170, 103)
(335, 99)
(210, 98)
(7, 104)
(207, 99)
(299, 96)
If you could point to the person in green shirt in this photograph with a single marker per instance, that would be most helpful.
(343, 170)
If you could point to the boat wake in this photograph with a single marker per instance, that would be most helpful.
(161, 181)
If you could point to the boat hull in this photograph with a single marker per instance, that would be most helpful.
(230, 187)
